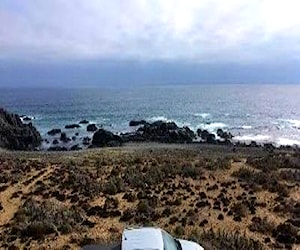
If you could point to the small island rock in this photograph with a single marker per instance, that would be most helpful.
(91, 128)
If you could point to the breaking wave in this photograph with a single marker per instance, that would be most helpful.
(158, 118)
(249, 138)
(287, 142)
(202, 115)
(213, 126)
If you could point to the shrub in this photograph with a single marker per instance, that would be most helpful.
(37, 219)
(76, 180)
(191, 172)
(223, 240)
(38, 229)
(179, 231)
(114, 185)
(290, 175)
(219, 163)
(143, 207)
(261, 225)
(239, 209)
(244, 173)
(269, 181)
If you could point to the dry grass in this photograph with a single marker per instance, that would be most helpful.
(223, 200)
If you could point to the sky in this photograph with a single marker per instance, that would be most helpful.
(100, 42)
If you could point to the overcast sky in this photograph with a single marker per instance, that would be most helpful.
(73, 39)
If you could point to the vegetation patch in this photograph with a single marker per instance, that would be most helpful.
(221, 239)
(38, 219)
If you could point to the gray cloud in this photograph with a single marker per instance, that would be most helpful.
(198, 31)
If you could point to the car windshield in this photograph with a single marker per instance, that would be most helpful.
(169, 241)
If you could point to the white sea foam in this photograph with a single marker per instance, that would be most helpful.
(295, 123)
(284, 123)
(246, 127)
(287, 142)
(27, 116)
(212, 126)
(248, 138)
(158, 118)
(203, 115)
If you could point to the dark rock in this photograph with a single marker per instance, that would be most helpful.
(91, 128)
(57, 148)
(103, 138)
(26, 119)
(84, 122)
(86, 140)
(206, 136)
(15, 135)
(75, 147)
(55, 142)
(64, 138)
(76, 134)
(70, 126)
(224, 135)
(253, 144)
(269, 146)
(160, 131)
(54, 131)
(137, 123)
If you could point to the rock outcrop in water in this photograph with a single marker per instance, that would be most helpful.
(54, 131)
(210, 138)
(134, 123)
(84, 122)
(160, 131)
(104, 138)
(206, 136)
(224, 135)
(16, 135)
(91, 128)
(64, 138)
(25, 118)
(71, 126)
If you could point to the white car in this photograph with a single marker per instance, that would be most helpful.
(150, 238)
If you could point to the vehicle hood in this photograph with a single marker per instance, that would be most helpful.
(190, 245)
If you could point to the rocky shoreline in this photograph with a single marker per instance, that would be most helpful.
(17, 134)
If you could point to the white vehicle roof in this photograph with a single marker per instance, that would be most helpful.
(146, 238)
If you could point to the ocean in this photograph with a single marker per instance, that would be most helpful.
(263, 113)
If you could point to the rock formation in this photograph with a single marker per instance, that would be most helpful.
(161, 131)
(103, 138)
(16, 135)
(91, 128)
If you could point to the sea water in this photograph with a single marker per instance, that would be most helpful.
(264, 113)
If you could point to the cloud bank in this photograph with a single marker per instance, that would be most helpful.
(201, 31)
